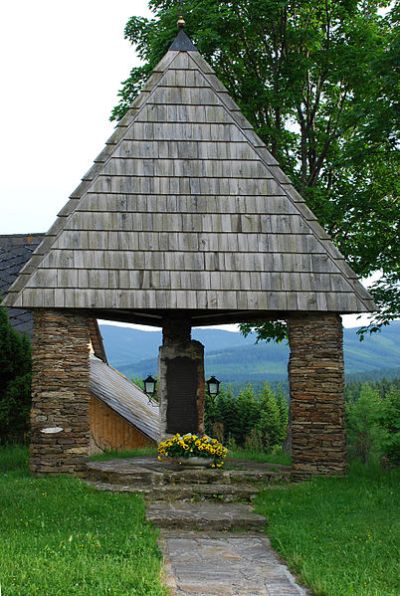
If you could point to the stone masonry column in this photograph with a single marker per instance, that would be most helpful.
(60, 393)
(316, 378)
(181, 379)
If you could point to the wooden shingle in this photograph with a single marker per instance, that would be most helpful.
(185, 208)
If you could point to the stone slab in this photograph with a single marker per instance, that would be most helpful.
(224, 564)
(238, 481)
(229, 493)
(148, 470)
(205, 516)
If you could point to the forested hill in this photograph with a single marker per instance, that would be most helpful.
(236, 359)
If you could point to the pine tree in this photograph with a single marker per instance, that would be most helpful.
(269, 422)
(283, 407)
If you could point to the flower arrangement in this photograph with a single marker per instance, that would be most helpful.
(191, 445)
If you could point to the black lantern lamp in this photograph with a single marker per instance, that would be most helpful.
(213, 386)
(150, 386)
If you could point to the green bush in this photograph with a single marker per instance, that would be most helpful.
(15, 382)
(392, 425)
(365, 428)
(373, 422)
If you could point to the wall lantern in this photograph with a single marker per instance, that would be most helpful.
(150, 386)
(213, 386)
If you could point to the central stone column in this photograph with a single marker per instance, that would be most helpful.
(181, 379)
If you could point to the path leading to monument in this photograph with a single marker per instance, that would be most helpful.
(212, 541)
(201, 557)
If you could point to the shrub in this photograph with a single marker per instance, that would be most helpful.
(392, 425)
(367, 436)
(15, 381)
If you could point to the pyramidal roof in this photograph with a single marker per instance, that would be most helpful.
(185, 208)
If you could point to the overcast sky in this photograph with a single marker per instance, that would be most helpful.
(62, 67)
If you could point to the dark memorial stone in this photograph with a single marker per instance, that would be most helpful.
(182, 395)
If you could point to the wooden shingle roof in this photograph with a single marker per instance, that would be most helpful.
(125, 398)
(186, 209)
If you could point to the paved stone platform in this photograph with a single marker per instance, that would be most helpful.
(238, 481)
(205, 516)
(224, 564)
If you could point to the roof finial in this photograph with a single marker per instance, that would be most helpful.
(181, 23)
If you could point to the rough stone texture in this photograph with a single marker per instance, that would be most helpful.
(176, 328)
(316, 377)
(205, 516)
(224, 565)
(148, 470)
(240, 481)
(60, 392)
(179, 350)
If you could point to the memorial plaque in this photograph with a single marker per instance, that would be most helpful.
(182, 395)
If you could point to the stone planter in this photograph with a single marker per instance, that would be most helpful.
(194, 462)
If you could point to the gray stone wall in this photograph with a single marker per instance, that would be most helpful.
(60, 393)
(316, 377)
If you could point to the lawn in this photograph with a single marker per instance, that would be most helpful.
(60, 537)
(340, 535)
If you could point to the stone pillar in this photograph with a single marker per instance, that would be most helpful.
(181, 380)
(60, 434)
(316, 378)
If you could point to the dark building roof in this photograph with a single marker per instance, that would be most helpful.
(185, 209)
(15, 251)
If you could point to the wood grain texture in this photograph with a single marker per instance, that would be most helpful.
(185, 208)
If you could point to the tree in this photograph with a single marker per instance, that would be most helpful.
(15, 381)
(269, 422)
(367, 435)
(319, 82)
(392, 425)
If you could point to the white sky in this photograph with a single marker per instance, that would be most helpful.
(62, 66)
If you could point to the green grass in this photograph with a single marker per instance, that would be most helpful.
(340, 535)
(60, 537)
(272, 458)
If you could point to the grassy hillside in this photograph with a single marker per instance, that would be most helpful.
(236, 359)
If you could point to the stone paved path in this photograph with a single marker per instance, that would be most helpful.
(224, 564)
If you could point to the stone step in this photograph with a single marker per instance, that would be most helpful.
(98, 474)
(131, 474)
(205, 516)
(227, 493)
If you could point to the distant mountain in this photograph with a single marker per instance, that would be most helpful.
(126, 346)
(236, 359)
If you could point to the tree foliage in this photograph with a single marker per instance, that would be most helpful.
(319, 80)
(256, 421)
(373, 421)
(15, 381)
